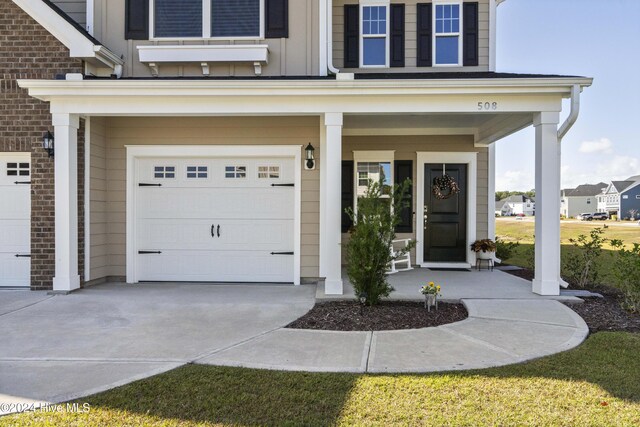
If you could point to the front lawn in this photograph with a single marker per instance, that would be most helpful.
(596, 384)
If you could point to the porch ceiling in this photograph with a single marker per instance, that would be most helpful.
(486, 127)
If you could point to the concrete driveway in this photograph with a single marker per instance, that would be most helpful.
(56, 348)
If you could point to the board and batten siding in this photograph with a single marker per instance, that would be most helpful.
(76, 9)
(297, 55)
(410, 40)
(108, 179)
(406, 147)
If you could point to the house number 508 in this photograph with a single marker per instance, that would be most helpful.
(484, 106)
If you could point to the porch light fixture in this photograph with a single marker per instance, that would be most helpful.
(47, 143)
(310, 161)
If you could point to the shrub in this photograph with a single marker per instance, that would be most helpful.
(368, 252)
(504, 250)
(626, 273)
(580, 266)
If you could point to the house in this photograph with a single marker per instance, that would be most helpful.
(621, 198)
(220, 141)
(583, 198)
(517, 205)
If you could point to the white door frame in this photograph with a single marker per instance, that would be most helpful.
(471, 160)
(135, 152)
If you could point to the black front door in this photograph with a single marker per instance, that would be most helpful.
(445, 220)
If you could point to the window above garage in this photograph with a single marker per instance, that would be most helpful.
(225, 19)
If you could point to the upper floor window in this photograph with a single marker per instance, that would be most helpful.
(374, 30)
(447, 43)
(207, 18)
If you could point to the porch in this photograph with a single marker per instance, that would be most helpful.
(456, 285)
(426, 122)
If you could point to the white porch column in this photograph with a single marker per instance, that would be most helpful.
(491, 190)
(547, 215)
(331, 205)
(66, 201)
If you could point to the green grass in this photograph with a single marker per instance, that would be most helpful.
(524, 231)
(596, 384)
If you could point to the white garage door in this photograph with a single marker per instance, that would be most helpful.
(215, 220)
(15, 219)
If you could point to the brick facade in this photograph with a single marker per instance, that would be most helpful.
(28, 51)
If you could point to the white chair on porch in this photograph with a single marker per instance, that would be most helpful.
(405, 259)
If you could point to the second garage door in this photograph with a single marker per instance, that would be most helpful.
(215, 220)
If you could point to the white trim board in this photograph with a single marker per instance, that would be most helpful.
(134, 152)
(471, 160)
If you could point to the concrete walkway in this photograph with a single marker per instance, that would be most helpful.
(59, 348)
(497, 332)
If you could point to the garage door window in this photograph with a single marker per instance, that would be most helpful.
(197, 172)
(164, 172)
(235, 172)
(269, 172)
(17, 169)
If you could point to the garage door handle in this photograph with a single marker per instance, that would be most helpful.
(218, 230)
(283, 185)
(149, 252)
(281, 253)
(22, 182)
(144, 184)
(23, 256)
(212, 227)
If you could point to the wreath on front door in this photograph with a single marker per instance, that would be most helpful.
(445, 187)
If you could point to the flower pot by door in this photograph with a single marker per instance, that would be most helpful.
(484, 255)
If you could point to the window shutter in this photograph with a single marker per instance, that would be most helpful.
(470, 34)
(276, 19)
(423, 34)
(404, 170)
(347, 193)
(351, 36)
(136, 21)
(397, 35)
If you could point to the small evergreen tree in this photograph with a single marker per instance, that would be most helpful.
(368, 251)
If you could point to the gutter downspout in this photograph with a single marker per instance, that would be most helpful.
(573, 114)
(330, 67)
(568, 123)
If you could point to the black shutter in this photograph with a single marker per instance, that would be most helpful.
(423, 34)
(136, 20)
(347, 193)
(397, 35)
(470, 34)
(351, 36)
(404, 170)
(276, 19)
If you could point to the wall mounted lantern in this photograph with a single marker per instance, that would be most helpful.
(310, 161)
(47, 143)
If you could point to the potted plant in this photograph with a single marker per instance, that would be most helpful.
(484, 248)
(431, 291)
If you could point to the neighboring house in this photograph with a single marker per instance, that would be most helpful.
(500, 208)
(180, 132)
(621, 198)
(517, 205)
(582, 199)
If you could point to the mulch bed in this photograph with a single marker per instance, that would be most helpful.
(606, 314)
(600, 314)
(389, 315)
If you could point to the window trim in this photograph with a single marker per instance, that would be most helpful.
(386, 156)
(206, 25)
(362, 36)
(434, 55)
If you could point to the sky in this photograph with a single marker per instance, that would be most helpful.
(592, 38)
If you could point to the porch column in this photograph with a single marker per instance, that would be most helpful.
(547, 214)
(66, 202)
(331, 205)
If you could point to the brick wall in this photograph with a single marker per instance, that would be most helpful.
(28, 51)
